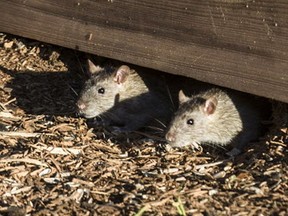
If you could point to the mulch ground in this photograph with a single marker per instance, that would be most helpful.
(52, 163)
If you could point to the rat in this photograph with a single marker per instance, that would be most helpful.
(215, 116)
(124, 98)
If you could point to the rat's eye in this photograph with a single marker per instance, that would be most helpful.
(190, 121)
(101, 90)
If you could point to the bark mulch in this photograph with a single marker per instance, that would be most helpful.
(52, 163)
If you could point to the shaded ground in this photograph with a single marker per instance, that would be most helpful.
(52, 163)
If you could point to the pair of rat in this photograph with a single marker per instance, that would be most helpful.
(127, 100)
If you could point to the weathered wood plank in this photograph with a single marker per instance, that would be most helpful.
(241, 44)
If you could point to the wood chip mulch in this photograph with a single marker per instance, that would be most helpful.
(52, 163)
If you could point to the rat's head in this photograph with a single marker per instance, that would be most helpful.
(191, 122)
(102, 90)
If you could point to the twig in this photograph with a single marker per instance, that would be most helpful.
(21, 190)
(9, 116)
(3, 106)
(201, 166)
(278, 143)
(24, 160)
(58, 150)
(11, 101)
(19, 134)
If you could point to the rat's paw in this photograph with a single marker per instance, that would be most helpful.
(98, 122)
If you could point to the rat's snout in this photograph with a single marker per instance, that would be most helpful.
(81, 107)
(170, 136)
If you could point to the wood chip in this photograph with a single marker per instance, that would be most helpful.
(24, 160)
(19, 134)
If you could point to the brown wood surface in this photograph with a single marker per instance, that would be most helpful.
(241, 44)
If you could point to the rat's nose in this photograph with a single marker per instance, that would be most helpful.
(170, 137)
(81, 105)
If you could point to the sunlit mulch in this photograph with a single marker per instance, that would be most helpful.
(52, 163)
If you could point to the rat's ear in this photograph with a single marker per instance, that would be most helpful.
(121, 74)
(92, 68)
(182, 97)
(210, 106)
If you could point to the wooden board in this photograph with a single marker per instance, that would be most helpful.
(240, 44)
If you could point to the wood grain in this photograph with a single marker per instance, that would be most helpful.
(239, 44)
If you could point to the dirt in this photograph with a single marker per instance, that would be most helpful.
(53, 163)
